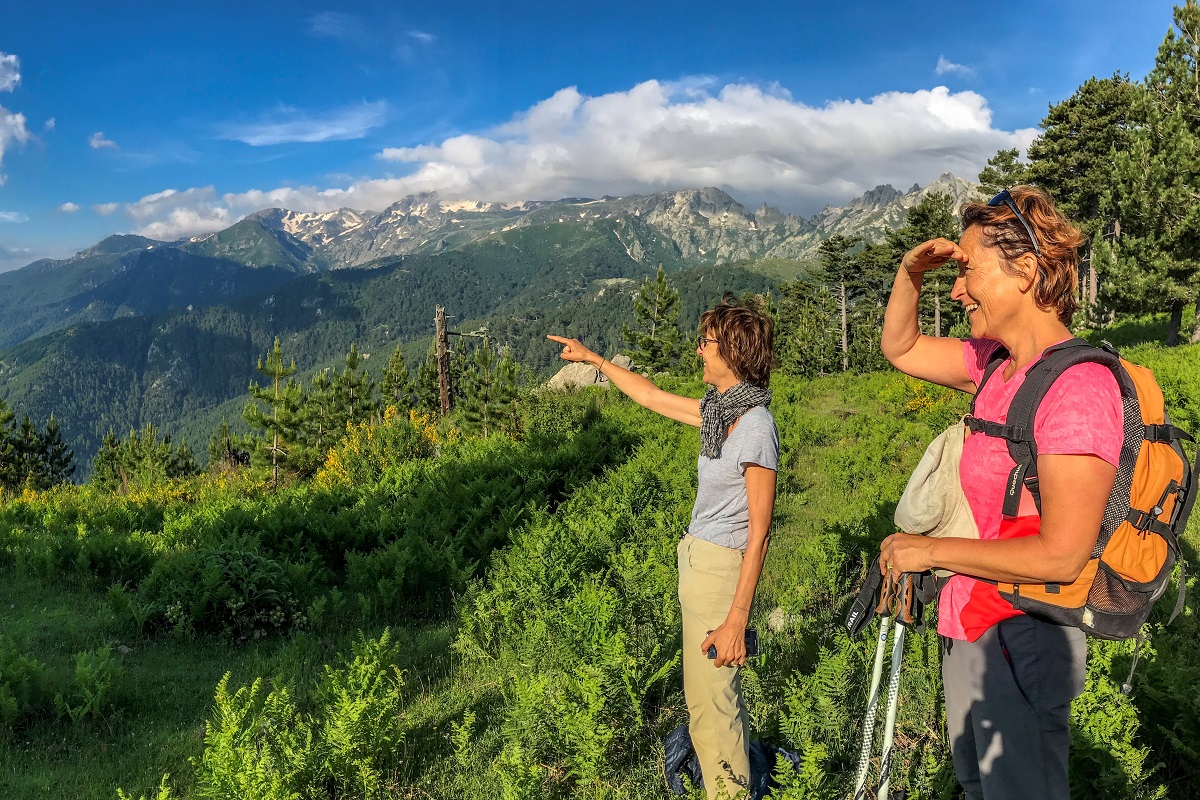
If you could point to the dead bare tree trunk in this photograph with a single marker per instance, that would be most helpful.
(443, 358)
(845, 332)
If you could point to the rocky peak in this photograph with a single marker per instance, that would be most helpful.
(118, 243)
(426, 205)
(768, 216)
(878, 197)
(961, 191)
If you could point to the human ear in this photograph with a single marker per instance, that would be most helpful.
(1027, 266)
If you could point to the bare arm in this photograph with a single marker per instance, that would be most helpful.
(1074, 491)
(730, 637)
(639, 389)
(937, 359)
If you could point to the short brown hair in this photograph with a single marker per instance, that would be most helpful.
(745, 339)
(1057, 239)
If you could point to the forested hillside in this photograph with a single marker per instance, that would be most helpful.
(354, 596)
(171, 370)
(497, 617)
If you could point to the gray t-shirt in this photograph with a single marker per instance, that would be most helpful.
(721, 514)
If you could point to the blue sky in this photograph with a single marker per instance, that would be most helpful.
(142, 117)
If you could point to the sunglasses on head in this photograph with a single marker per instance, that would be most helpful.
(1006, 199)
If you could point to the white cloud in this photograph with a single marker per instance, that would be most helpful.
(10, 72)
(755, 141)
(293, 125)
(172, 214)
(947, 67)
(105, 209)
(422, 36)
(69, 207)
(49, 124)
(12, 131)
(12, 125)
(14, 257)
(97, 141)
(337, 25)
(13, 216)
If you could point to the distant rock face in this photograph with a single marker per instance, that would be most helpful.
(705, 225)
(573, 376)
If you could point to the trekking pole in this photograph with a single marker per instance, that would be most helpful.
(889, 725)
(906, 610)
(864, 756)
(896, 599)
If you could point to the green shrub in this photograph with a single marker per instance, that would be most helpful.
(89, 694)
(26, 686)
(229, 588)
(265, 748)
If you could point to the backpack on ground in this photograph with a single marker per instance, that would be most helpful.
(1152, 496)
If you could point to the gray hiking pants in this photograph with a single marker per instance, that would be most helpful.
(1008, 704)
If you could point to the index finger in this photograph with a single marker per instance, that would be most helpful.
(944, 247)
(560, 339)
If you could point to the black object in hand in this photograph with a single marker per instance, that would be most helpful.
(751, 644)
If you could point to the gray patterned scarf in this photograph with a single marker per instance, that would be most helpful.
(718, 411)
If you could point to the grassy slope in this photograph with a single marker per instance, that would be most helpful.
(848, 443)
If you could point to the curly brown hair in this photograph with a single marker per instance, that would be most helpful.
(745, 339)
(1057, 239)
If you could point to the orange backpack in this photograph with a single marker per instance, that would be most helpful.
(1152, 496)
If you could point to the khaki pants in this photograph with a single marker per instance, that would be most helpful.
(708, 576)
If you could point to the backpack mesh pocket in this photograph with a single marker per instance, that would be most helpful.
(1109, 595)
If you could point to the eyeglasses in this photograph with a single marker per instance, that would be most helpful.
(1004, 198)
(701, 341)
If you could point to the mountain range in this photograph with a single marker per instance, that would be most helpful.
(133, 330)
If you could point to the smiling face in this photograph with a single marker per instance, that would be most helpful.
(992, 296)
(717, 371)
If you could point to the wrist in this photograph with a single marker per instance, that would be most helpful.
(931, 554)
(738, 615)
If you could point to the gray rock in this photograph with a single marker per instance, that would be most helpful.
(574, 376)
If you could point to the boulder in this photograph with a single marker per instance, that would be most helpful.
(573, 376)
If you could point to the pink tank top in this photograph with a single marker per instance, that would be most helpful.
(1080, 415)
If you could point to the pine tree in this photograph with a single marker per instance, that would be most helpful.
(8, 447)
(837, 269)
(220, 449)
(396, 385)
(490, 386)
(352, 393)
(1003, 170)
(655, 342)
(141, 459)
(804, 343)
(146, 459)
(30, 467)
(507, 381)
(1073, 156)
(428, 392)
(322, 427)
(106, 466)
(183, 462)
(281, 424)
(931, 218)
(59, 460)
(1155, 192)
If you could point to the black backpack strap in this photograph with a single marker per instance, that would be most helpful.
(1022, 413)
(997, 358)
